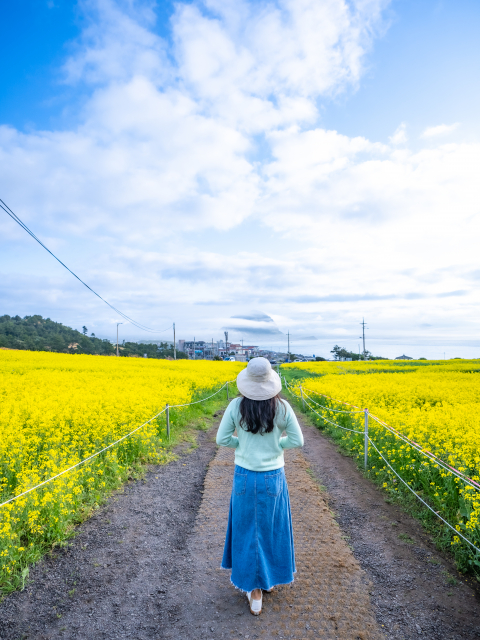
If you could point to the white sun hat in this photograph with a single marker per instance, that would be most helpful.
(259, 381)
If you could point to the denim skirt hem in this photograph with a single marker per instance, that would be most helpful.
(283, 584)
(259, 546)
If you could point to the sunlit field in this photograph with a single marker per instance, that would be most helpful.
(435, 404)
(57, 410)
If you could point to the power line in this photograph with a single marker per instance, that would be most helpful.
(14, 216)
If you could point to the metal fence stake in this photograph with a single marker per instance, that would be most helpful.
(228, 396)
(167, 409)
(303, 399)
(365, 447)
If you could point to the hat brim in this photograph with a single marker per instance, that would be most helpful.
(255, 390)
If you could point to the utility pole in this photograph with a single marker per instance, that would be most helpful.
(174, 344)
(288, 338)
(117, 337)
(194, 347)
(363, 323)
(225, 333)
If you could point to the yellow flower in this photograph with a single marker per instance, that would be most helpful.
(435, 404)
(57, 409)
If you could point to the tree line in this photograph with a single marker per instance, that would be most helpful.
(35, 333)
(340, 352)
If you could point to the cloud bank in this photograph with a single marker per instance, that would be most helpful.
(199, 175)
(440, 130)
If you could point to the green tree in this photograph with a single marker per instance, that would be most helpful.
(42, 334)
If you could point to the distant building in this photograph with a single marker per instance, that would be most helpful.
(197, 345)
(404, 357)
(248, 351)
(209, 350)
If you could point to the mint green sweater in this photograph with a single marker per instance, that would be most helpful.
(260, 452)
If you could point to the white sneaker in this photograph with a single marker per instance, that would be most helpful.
(255, 605)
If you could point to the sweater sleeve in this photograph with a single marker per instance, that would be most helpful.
(225, 437)
(294, 437)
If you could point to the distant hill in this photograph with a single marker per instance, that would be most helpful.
(34, 333)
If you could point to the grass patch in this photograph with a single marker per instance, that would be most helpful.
(311, 473)
(406, 538)
(294, 375)
(449, 579)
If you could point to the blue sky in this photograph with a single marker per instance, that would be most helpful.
(315, 162)
(422, 67)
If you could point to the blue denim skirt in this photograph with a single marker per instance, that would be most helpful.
(259, 542)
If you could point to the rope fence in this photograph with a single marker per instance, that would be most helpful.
(304, 397)
(422, 500)
(428, 454)
(113, 444)
(333, 423)
(368, 440)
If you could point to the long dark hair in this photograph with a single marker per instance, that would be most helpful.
(258, 415)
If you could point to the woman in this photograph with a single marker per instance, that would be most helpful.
(259, 541)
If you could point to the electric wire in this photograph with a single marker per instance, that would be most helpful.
(14, 217)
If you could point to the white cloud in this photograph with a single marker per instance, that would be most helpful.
(262, 65)
(400, 135)
(167, 135)
(181, 151)
(117, 44)
(439, 130)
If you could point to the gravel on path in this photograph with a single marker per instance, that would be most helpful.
(146, 566)
(114, 579)
(329, 598)
(417, 591)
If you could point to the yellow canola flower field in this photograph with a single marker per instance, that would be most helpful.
(58, 409)
(437, 405)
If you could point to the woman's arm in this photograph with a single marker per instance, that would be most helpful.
(294, 436)
(225, 437)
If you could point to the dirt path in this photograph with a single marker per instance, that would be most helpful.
(329, 598)
(115, 577)
(413, 592)
(147, 565)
